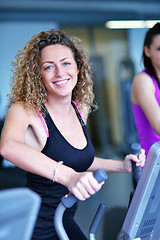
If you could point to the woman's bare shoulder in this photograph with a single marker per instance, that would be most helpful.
(142, 77)
(19, 107)
(17, 112)
(142, 81)
(142, 86)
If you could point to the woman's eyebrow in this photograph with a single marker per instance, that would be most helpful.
(65, 58)
(52, 62)
(46, 62)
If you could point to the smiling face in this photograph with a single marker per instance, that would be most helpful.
(59, 70)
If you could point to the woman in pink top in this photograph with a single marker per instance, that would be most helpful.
(145, 94)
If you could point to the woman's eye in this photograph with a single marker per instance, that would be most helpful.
(48, 67)
(66, 63)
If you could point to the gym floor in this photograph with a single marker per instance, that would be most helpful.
(115, 194)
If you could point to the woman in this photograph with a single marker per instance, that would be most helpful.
(145, 94)
(51, 98)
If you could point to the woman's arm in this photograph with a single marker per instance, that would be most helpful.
(115, 166)
(143, 94)
(14, 149)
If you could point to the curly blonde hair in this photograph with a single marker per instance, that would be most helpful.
(26, 81)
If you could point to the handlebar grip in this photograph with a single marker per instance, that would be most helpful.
(135, 149)
(69, 200)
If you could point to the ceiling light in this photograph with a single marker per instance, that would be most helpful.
(130, 24)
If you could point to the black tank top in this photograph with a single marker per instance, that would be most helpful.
(58, 149)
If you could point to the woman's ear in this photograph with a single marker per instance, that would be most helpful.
(147, 51)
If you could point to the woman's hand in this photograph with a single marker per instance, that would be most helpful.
(83, 185)
(140, 160)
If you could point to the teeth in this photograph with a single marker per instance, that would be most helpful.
(61, 82)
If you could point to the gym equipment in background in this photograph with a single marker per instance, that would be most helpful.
(143, 217)
(19, 208)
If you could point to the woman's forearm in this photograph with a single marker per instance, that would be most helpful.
(108, 165)
(30, 159)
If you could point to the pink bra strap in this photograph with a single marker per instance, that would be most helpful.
(43, 123)
(78, 108)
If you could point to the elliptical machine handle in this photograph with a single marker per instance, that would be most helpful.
(69, 200)
(137, 170)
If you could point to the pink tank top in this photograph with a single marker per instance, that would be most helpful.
(147, 136)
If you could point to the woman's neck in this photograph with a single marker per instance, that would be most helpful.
(59, 107)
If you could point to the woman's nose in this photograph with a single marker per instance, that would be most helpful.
(58, 71)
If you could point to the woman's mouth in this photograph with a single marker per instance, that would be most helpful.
(61, 82)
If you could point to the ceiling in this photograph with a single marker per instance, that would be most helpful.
(79, 13)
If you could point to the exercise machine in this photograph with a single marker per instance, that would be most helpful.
(143, 217)
(19, 208)
(68, 201)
